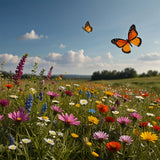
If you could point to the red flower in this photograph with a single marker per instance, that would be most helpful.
(113, 146)
(109, 119)
(155, 127)
(158, 118)
(69, 93)
(9, 86)
(102, 108)
(144, 124)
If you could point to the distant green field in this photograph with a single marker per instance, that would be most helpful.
(146, 82)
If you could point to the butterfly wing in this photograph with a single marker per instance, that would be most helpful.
(132, 36)
(87, 27)
(121, 43)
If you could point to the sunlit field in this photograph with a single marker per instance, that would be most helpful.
(78, 119)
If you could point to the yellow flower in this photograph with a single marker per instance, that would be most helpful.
(153, 122)
(74, 135)
(148, 136)
(98, 102)
(93, 120)
(89, 143)
(59, 78)
(108, 93)
(77, 105)
(95, 154)
(150, 107)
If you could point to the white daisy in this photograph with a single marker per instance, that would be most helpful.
(13, 96)
(25, 140)
(44, 118)
(55, 101)
(32, 90)
(60, 134)
(131, 110)
(83, 102)
(115, 112)
(71, 104)
(52, 133)
(50, 141)
(12, 147)
(77, 85)
(150, 114)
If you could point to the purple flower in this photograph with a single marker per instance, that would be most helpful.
(52, 94)
(125, 139)
(21, 109)
(4, 103)
(113, 108)
(123, 120)
(69, 119)
(136, 116)
(1, 117)
(18, 116)
(100, 135)
(49, 73)
(56, 109)
(19, 69)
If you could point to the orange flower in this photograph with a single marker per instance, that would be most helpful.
(9, 86)
(102, 108)
(113, 146)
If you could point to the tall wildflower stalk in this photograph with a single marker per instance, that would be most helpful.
(19, 70)
(1, 72)
(49, 73)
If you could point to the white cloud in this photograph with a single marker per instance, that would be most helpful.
(32, 35)
(62, 46)
(157, 42)
(109, 55)
(8, 58)
(150, 57)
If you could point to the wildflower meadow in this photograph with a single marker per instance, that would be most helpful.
(57, 119)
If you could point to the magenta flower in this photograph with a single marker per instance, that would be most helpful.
(69, 93)
(19, 70)
(18, 116)
(100, 135)
(1, 117)
(4, 103)
(52, 94)
(123, 120)
(125, 139)
(56, 109)
(113, 108)
(69, 119)
(49, 73)
(135, 116)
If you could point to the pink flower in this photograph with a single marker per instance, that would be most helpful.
(49, 73)
(123, 120)
(100, 135)
(52, 94)
(4, 103)
(1, 117)
(136, 116)
(18, 116)
(126, 139)
(69, 119)
(56, 109)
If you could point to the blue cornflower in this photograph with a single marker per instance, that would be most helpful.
(29, 103)
(88, 94)
(40, 96)
(44, 107)
(11, 140)
(92, 111)
(80, 92)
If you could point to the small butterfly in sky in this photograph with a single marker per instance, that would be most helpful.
(132, 39)
(87, 27)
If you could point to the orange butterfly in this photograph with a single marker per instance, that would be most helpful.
(87, 27)
(132, 39)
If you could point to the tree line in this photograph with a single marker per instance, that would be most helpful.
(126, 73)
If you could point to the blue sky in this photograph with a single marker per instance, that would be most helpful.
(53, 30)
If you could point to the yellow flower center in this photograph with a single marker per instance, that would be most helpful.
(49, 141)
(12, 147)
(19, 118)
(25, 140)
(44, 117)
(83, 101)
(68, 121)
(113, 146)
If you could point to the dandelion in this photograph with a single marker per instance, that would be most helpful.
(148, 136)
(93, 120)
(74, 135)
(77, 105)
(95, 154)
(113, 146)
(100, 135)
(89, 143)
(125, 139)
(4, 103)
(69, 119)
